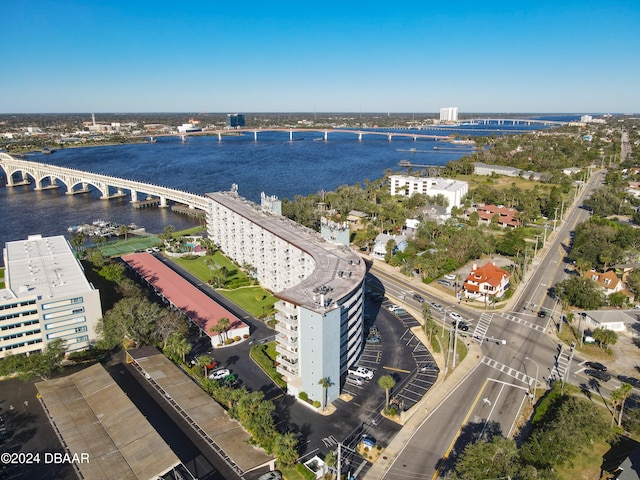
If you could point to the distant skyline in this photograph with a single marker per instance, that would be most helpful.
(412, 56)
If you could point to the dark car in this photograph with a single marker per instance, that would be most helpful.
(542, 314)
(445, 283)
(461, 325)
(419, 297)
(596, 366)
(602, 376)
(630, 380)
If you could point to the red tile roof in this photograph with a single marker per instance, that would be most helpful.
(487, 273)
(200, 308)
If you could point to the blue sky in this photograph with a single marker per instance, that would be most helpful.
(349, 56)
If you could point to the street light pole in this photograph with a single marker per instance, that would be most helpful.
(455, 344)
(444, 317)
(535, 385)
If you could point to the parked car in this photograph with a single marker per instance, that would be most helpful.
(437, 307)
(602, 376)
(274, 475)
(361, 372)
(399, 311)
(419, 297)
(373, 339)
(393, 307)
(428, 368)
(450, 276)
(630, 380)
(355, 380)
(230, 381)
(596, 366)
(456, 316)
(219, 374)
(446, 283)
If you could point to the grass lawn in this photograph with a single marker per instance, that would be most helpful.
(253, 299)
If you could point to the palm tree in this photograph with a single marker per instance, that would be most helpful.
(179, 345)
(123, 230)
(203, 362)
(221, 327)
(325, 385)
(625, 390)
(616, 399)
(387, 383)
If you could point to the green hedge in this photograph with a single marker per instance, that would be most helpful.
(261, 357)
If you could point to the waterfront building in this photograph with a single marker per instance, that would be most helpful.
(319, 285)
(449, 114)
(453, 190)
(47, 297)
(380, 246)
(235, 120)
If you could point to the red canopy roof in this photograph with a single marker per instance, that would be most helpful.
(198, 307)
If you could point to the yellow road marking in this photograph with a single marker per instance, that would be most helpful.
(455, 438)
(397, 370)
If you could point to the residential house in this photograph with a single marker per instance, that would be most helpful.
(486, 282)
(506, 216)
(356, 219)
(380, 247)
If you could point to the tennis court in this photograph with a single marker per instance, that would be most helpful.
(121, 247)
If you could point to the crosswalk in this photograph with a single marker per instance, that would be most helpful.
(506, 369)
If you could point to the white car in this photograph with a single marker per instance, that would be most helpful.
(362, 372)
(355, 380)
(393, 308)
(450, 276)
(219, 374)
(456, 316)
(437, 307)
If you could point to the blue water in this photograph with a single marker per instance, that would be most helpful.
(273, 165)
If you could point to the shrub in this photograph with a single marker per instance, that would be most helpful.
(303, 396)
(316, 403)
(245, 336)
(237, 338)
(228, 341)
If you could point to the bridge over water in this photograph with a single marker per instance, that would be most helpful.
(514, 121)
(23, 172)
(299, 133)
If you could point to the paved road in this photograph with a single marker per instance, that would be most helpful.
(499, 380)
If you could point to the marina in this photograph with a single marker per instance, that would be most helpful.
(102, 228)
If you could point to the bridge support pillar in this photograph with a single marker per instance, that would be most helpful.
(163, 202)
(184, 138)
(83, 189)
(134, 196)
(255, 136)
(360, 137)
(291, 135)
(415, 138)
(389, 137)
(326, 135)
(219, 137)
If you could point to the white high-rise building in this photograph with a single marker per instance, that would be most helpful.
(449, 114)
(319, 285)
(46, 297)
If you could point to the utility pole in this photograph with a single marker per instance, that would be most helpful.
(535, 254)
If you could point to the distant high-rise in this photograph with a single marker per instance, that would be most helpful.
(235, 120)
(449, 114)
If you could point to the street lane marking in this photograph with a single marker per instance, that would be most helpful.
(455, 438)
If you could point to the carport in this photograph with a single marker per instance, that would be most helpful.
(98, 423)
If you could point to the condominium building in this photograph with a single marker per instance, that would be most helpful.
(449, 114)
(235, 120)
(453, 190)
(46, 297)
(319, 285)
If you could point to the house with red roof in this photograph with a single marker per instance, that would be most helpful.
(506, 216)
(486, 282)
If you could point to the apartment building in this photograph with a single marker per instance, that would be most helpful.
(46, 297)
(453, 190)
(319, 285)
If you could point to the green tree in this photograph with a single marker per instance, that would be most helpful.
(480, 460)
(221, 327)
(130, 318)
(580, 292)
(203, 362)
(605, 337)
(625, 391)
(178, 345)
(43, 364)
(285, 449)
(386, 382)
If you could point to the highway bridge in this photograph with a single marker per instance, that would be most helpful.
(23, 172)
(299, 132)
(513, 121)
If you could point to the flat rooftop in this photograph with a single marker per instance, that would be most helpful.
(202, 411)
(337, 267)
(94, 416)
(44, 267)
